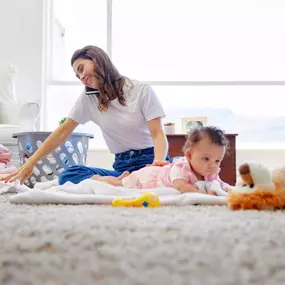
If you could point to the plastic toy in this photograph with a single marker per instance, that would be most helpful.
(148, 199)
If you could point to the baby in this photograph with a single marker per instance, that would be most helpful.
(197, 171)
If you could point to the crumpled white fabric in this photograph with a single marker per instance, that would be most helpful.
(94, 192)
(13, 187)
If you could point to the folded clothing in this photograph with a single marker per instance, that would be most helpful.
(5, 157)
(3, 149)
(15, 158)
(6, 166)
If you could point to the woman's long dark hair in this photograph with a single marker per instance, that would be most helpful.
(111, 82)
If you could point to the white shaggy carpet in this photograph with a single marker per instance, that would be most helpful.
(88, 244)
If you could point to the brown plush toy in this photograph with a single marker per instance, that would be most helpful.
(259, 189)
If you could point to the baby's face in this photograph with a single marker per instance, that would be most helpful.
(206, 157)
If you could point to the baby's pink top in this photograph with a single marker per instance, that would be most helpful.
(157, 176)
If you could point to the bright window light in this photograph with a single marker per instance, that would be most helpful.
(221, 59)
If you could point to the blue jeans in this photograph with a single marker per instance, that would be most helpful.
(130, 160)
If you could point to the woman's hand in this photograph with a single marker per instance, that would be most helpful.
(58, 137)
(159, 163)
(23, 173)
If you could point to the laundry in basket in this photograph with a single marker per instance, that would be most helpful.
(72, 152)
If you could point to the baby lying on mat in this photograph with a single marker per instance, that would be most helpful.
(197, 171)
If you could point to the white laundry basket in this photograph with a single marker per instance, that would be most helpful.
(72, 152)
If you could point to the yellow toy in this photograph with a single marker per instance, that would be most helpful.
(148, 199)
(260, 189)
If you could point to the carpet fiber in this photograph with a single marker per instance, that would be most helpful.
(88, 244)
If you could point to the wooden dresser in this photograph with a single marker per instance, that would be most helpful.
(228, 165)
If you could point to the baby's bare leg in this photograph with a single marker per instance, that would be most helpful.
(96, 177)
(123, 175)
(108, 179)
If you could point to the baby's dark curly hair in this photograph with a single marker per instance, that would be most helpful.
(215, 134)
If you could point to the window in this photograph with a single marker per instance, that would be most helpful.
(254, 112)
(221, 59)
(188, 40)
(75, 23)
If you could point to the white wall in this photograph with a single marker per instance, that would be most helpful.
(100, 158)
(21, 37)
(272, 158)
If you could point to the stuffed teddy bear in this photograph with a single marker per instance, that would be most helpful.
(259, 189)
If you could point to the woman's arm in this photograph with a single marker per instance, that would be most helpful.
(159, 139)
(57, 137)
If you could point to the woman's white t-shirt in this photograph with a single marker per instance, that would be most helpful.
(123, 127)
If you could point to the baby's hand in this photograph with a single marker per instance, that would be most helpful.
(212, 193)
(215, 187)
(201, 186)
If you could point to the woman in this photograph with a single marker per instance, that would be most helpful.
(128, 113)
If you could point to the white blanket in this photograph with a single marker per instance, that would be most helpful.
(95, 192)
